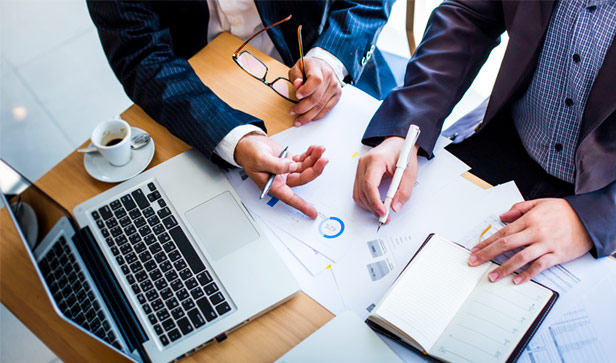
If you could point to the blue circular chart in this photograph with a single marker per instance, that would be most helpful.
(331, 227)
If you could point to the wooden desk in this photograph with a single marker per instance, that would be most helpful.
(264, 339)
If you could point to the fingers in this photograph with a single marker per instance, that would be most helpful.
(314, 78)
(500, 246)
(502, 233)
(328, 107)
(275, 165)
(370, 187)
(295, 75)
(307, 174)
(309, 107)
(284, 193)
(520, 259)
(543, 263)
(517, 210)
(406, 188)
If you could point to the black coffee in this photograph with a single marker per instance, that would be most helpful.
(114, 141)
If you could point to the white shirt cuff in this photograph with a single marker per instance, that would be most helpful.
(226, 147)
(332, 60)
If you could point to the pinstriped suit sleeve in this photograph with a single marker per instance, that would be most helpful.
(165, 86)
(351, 30)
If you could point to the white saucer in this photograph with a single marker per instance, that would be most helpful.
(100, 169)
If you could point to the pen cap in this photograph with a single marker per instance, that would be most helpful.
(409, 143)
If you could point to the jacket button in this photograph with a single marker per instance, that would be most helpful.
(363, 61)
(558, 147)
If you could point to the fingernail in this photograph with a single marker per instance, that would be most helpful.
(474, 249)
(396, 206)
(517, 280)
(493, 276)
(298, 124)
(299, 96)
(291, 113)
(292, 167)
(472, 260)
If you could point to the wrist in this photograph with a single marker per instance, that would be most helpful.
(244, 146)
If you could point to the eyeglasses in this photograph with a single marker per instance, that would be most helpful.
(256, 68)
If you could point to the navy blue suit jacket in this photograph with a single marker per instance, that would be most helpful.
(148, 43)
(457, 42)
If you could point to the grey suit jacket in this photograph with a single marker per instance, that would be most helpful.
(458, 39)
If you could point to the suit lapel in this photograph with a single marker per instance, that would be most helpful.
(602, 99)
(525, 44)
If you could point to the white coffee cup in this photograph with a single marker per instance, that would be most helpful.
(112, 140)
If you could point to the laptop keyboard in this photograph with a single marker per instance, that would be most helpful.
(73, 293)
(176, 292)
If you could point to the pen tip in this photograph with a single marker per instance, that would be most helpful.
(379, 227)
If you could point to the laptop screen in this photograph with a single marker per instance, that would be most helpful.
(36, 213)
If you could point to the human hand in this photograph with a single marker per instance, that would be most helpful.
(549, 231)
(318, 95)
(258, 155)
(377, 163)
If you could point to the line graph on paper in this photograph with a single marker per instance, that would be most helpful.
(557, 277)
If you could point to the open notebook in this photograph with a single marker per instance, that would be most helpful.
(451, 311)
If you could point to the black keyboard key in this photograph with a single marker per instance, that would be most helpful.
(211, 288)
(169, 246)
(150, 265)
(151, 186)
(166, 266)
(115, 204)
(155, 248)
(206, 309)
(204, 278)
(141, 276)
(179, 265)
(134, 238)
(174, 335)
(149, 239)
(158, 229)
(158, 329)
(134, 214)
(139, 222)
(170, 222)
(157, 304)
(188, 304)
(100, 224)
(120, 213)
(135, 288)
(177, 313)
(95, 324)
(106, 325)
(163, 212)
(100, 332)
(144, 231)
(120, 260)
(164, 237)
(151, 295)
(109, 242)
(136, 266)
(141, 299)
(155, 275)
(90, 314)
(95, 215)
(185, 326)
(190, 283)
(128, 202)
(196, 293)
(131, 257)
(147, 285)
(130, 229)
(172, 303)
(125, 269)
(166, 293)
(164, 340)
(174, 255)
(196, 318)
(194, 261)
(153, 196)
(148, 212)
(105, 212)
(126, 249)
(145, 256)
(124, 221)
(160, 257)
(182, 294)
(217, 298)
(171, 275)
(223, 308)
(140, 247)
(147, 309)
(120, 240)
(80, 319)
(140, 198)
(162, 203)
(153, 220)
(160, 284)
(168, 324)
(111, 222)
(115, 251)
(116, 231)
(176, 285)
(152, 319)
(163, 314)
(185, 274)
(105, 232)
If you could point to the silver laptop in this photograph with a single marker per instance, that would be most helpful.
(157, 266)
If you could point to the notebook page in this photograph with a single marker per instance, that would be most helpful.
(492, 321)
(430, 291)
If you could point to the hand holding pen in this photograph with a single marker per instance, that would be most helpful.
(260, 158)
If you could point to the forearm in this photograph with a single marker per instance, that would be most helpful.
(457, 42)
(597, 211)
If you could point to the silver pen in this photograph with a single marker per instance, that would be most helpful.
(270, 181)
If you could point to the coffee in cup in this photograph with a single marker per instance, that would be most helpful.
(112, 140)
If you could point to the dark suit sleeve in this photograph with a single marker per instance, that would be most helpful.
(140, 52)
(351, 31)
(458, 39)
(597, 211)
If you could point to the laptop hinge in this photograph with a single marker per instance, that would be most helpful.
(111, 292)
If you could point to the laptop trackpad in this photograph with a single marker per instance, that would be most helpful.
(221, 225)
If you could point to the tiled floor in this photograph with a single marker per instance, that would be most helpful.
(55, 85)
